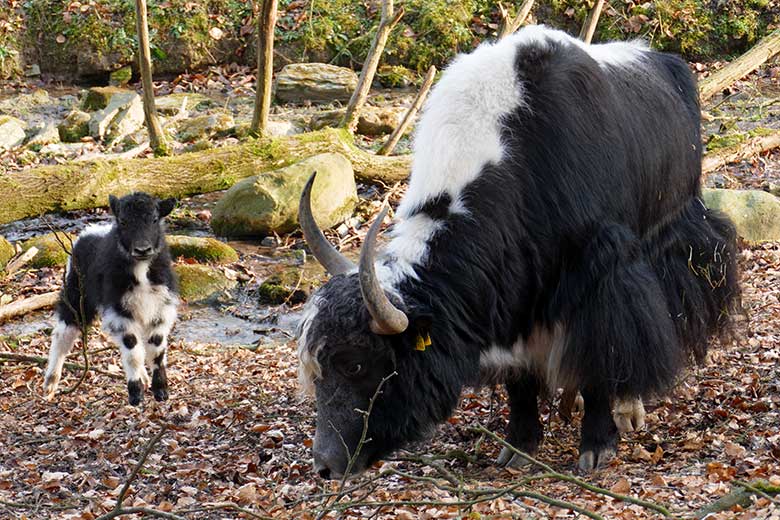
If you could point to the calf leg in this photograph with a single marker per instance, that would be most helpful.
(599, 435)
(157, 352)
(129, 336)
(525, 430)
(63, 338)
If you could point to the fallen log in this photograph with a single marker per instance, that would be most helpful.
(66, 187)
(741, 67)
(25, 305)
(750, 148)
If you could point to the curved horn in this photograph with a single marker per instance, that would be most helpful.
(333, 261)
(387, 318)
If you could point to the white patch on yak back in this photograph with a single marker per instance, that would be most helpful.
(408, 247)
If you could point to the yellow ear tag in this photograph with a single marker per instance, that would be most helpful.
(420, 344)
(427, 340)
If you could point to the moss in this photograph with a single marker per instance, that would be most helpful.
(292, 285)
(74, 127)
(121, 77)
(201, 249)
(718, 141)
(97, 98)
(7, 252)
(201, 282)
(50, 251)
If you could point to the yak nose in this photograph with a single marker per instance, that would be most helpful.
(142, 251)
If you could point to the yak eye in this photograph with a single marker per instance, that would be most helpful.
(354, 370)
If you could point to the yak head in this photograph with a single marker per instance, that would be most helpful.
(356, 353)
(139, 224)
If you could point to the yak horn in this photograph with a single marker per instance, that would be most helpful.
(333, 261)
(386, 318)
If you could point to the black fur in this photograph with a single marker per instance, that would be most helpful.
(592, 223)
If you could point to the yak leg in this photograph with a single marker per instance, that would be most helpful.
(599, 435)
(525, 430)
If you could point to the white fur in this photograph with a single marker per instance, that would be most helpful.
(309, 369)
(541, 353)
(407, 248)
(62, 340)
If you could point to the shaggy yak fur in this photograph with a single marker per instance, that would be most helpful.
(121, 271)
(553, 235)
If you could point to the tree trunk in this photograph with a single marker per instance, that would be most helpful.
(589, 27)
(25, 305)
(266, 21)
(741, 67)
(750, 148)
(392, 141)
(389, 20)
(156, 136)
(29, 193)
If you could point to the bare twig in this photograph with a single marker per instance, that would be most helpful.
(40, 360)
(392, 141)
(510, 26)
(589, 27)
(389, 19)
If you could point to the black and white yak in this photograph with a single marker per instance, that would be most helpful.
(552, 235)
(125, 272)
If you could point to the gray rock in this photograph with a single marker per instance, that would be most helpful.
(315, 82)
(123, 115)
(11, 132)
(202, 127)
(281, 128)
(268, 203)
(22, 105)
(198, 283)
(32, 70)
(379, 121)
(47, 134)
(774, 188)
(755, 213)
(171, 104)
(326, 118)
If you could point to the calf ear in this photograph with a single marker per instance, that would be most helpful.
(113, 203)
(164, 207)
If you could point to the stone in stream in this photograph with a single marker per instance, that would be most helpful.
(314, 82)
(292, 285)
(201, 249)
(203, 127)
(268, 203)
(198, 283)
(755, 213)
(11, 132)
(7, 252)
(74, 126)
(50, 251)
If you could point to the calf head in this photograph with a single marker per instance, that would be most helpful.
(356, 350)
(139, 224)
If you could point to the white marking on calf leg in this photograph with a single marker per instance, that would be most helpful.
(62, 339)
(130, 337)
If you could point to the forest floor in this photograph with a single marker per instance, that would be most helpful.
(238, 433)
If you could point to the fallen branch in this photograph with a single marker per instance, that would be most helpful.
(589, 27)
(387, 22)
(742, 496)
(40, 360)
(25, 305)
(21, 260)
(510, 26)
(741, 67)
(392, 141)
(65, 187)
(750, 148)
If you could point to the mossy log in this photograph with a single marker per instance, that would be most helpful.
(750, 148)
(88, 184)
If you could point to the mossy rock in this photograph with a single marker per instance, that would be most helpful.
(198, 283)
(268, 203)
(293, 285)
(74, 127)
(755, 213)
(395, 76)
(203, 127)
(314, 82)
(50, 251)
(120, 77)
(98, 98)
(171, 104)
(7, 252)
(201, 249)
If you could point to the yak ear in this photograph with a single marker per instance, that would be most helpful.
(113, 203)
(164, 207)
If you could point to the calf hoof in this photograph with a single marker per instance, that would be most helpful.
(135, 392)
(629, 415)
(160, 394)
(598, 458)
(50, 385)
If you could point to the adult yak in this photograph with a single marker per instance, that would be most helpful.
(552, 235)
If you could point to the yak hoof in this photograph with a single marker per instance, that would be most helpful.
(161, 394)
(629, 415)
(590, 460)
(509, 459)
(50, 385)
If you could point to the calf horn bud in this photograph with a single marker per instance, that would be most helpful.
(333, 261)
(387, 319)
